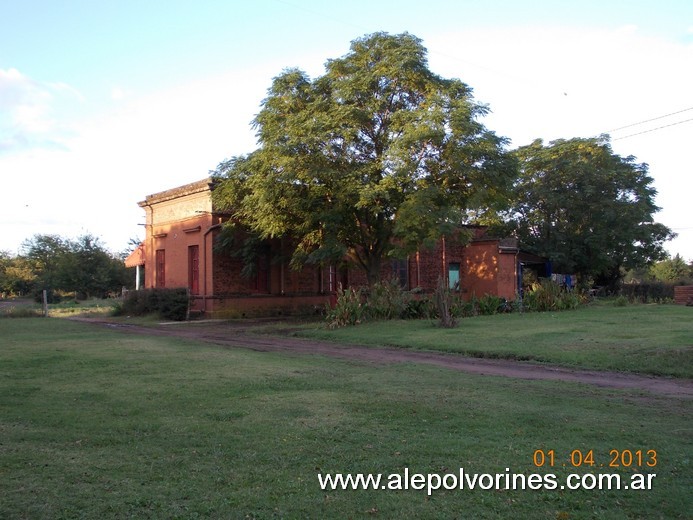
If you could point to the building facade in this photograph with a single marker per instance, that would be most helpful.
(179, 250)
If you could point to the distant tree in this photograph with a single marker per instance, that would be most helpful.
(46, 254)
(91, 270)
(370, 160)
(671, 270)
(17, 276)
(83, 265)
(588, 209)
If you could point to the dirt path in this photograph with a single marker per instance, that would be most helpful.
(236, 335)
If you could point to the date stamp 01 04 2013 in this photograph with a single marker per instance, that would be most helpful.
(586, 458)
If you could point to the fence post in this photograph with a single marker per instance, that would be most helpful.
(45, 303)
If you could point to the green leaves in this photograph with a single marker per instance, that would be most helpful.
(372, 158)
(587, 208)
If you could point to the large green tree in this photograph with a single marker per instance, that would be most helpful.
(370, 160)
(588, 209)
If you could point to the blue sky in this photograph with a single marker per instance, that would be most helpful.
(103, 103)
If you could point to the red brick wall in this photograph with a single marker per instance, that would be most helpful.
(683, 294)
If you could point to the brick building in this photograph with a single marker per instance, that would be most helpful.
(178, 251)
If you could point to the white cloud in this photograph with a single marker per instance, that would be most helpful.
(32, 114)
(566, 82)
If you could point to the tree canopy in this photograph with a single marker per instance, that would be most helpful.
(82, 265)
(588, 209)
(372, 159)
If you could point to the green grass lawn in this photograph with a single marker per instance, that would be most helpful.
(651, 339)
(95, 423)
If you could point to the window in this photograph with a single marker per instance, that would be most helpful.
(454, 276)
(337, 277)
(400, 271)
(160, 268)
(194, 269)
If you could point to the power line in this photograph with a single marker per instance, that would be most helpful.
(653, 129)
(649, 120)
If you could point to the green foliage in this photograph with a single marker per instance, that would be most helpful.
(647, 292)
(549, 296)
(381, 301)
(621, 301)
(588, 209)
(170, 304)
(672, 270)
(348, 309)
(386, 301)
(51, 296)
(82, 266)
(17, 275)
(379, 155)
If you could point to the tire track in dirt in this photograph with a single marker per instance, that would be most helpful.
(236, 335)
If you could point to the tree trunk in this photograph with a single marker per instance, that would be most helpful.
(373, 271)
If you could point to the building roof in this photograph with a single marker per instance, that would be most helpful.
(136, 257)
(181, 191)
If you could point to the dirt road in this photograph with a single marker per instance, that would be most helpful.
(237, 335)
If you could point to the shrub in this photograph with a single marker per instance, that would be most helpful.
(386, 301)
(169, 304)
(549, 296)
(647, 292)
(489, 304)
(621, 301)
(417, 309)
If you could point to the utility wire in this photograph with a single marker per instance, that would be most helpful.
(648, 120)
(653, 129)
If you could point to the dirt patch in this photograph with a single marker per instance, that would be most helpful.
(238, 335)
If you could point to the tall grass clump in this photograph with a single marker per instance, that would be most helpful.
(443, 300)
(348, 309)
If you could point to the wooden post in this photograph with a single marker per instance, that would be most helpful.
(45, 303)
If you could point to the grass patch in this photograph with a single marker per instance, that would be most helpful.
(101, 424)
(650, 339)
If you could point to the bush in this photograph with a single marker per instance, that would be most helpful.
(621, 301)
(417, 309)
(648, 292)
(549, 296)
(386, 301)
(489, 305)
(169, 304)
